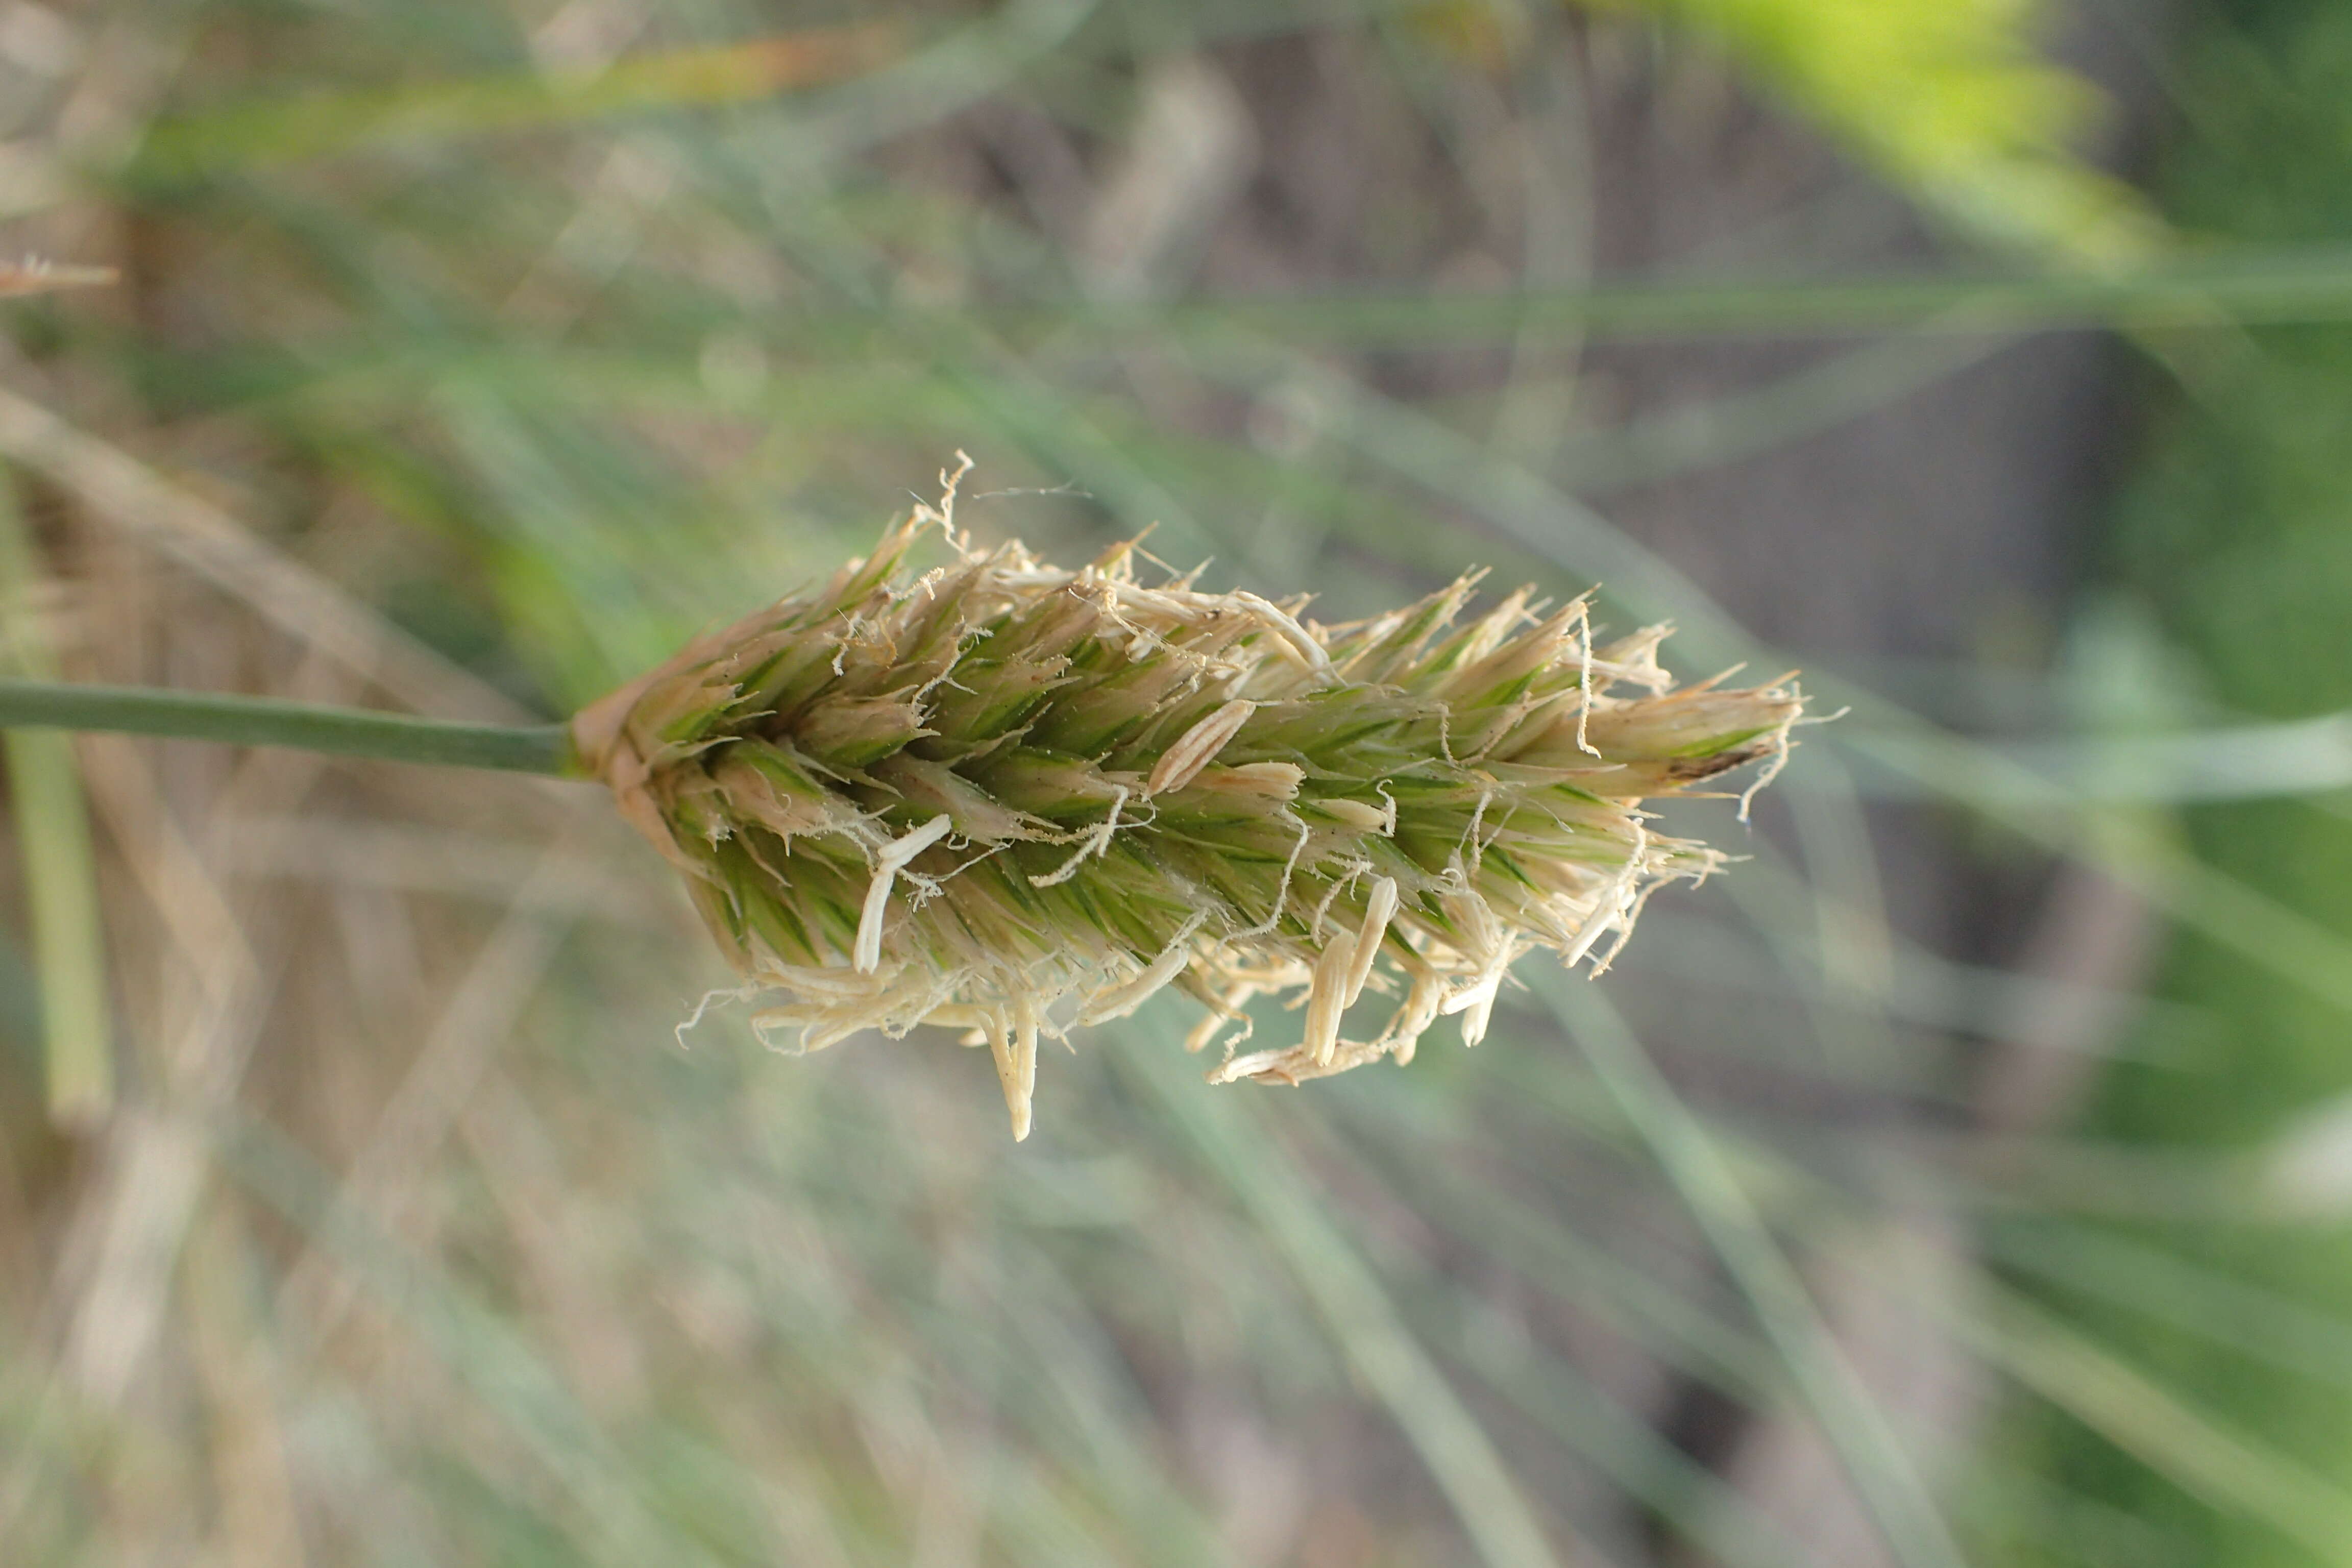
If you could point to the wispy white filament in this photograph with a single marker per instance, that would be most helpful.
(1378, 910)
(1098, 842)
(1478, 1002)
(1323, 1001)
(1119, 1001)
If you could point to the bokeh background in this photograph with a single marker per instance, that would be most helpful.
(1963, 1178)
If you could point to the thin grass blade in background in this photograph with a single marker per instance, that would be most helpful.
(60, 874)
(558, 94)
(1873, 1455)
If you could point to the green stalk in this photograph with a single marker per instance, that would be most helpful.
(60, 872)
(2243, 287)
(270, 721)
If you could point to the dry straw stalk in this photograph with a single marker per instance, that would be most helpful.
(1016, 800)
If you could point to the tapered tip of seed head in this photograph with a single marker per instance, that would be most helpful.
(968, 794)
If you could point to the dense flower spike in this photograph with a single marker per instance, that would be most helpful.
(1016, 800)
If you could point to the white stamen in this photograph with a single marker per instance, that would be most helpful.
(1584, 680)
(1121, 1000)
(1355, 813)
(916, 840)
(1480, 932)
(1020, 1088)
(1419, 1011)
(1470, 996)
(1324, 1003)
(769, 1019)
(1290, 636)
(1477, 1001)
(1008, 1069)
(866, 956)
(1378, 910)
(1598, 925)
(1473, 1020)
(1193, 751)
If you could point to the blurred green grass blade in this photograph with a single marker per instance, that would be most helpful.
(611, 1518)
(2187, 1187)
(1054, 1370)
(1803, 402)
(2235, 1471)
(2128, 845)
(1690, 1499)
(59, 869)
(886, 91)
(1857, 1430)
(971, 63)
(1681, 1333)
(249, 136)
(1609, 1284)
(1232, 1140)
(1103, 1436)
(2021, 1514)
(2161, 1284)
(2246, 288)
(1515, 501)
(563, 499)
(68, 939)
(2250, 288)
(2242, 762)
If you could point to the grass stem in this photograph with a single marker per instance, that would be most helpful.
(269, 721)
(59, 871)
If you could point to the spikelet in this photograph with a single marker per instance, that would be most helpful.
(1016, 800)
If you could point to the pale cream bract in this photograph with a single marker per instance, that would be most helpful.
(1016, 800)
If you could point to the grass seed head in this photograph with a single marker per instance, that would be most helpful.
(1014, 799)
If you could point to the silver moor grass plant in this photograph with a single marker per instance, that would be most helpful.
(1016, 800)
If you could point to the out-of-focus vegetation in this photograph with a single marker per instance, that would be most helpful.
(2236, 527)
(470, 357)
(1951, 99)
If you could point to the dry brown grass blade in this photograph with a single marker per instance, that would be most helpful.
(386, 856)
(481, 1014)
(205, 540)
(35, 276)
(520, 1166)
(209, 1004)
(235, 1355)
